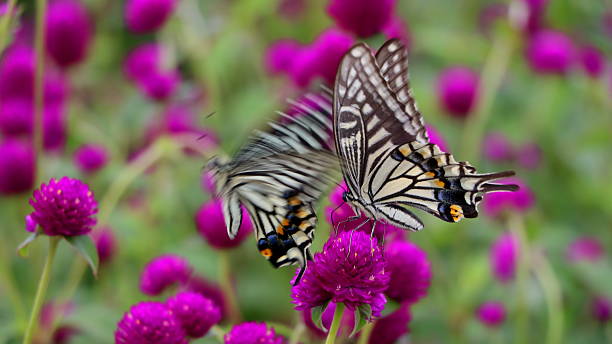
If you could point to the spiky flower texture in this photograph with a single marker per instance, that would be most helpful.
(149, 323)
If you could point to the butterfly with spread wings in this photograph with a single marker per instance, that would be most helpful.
(278, 176)
(386, 158)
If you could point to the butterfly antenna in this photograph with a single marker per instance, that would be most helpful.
(207, 117)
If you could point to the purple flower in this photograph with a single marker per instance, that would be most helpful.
(592, 61)
(209, 290)
(281, 55)
(364, 18)
(503, 255)
(30, 224)
(389, 329)
(144, 66)
(54, 130)
(211, 225)
(149, 323)
(161, 85)
(436, 138)
(491, 313)
(106, 244)
(497, 148)
(397, 28)
(601, 309)
(63, 334)
(252, 333)
(195, 313)
(90, 158)
(17, 73)
(68, 32)
(410, 272)
(529, 15)
(291, 9)
(529, 155)
(550, 52)
(585, 249)
(208, 183)
(162, 272)
(17, 167)
(142, 61)
(458, 90)
(497, 203)
(143, 16)
(353, 279)
(16, 116)
(64, 207)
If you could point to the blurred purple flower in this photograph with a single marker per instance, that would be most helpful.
(529, 15)
(409, 270)
(195, 313)
(208, 183)
(458, 90)
(496, 203)
(489, 14)
(64, 207)
(291, 9)
(144, 16)
(142, 61)
(601, 309)
(163, 272)
(503, 255)
(149, 323)
(592, 61)
(17, 73)
(363, 18)
(54, 128)
(68, 32)
(491, 313)
(106, 244)
(281, 55)
(497, 148)
(144, 67)
(17, 167)
(160, 86)
(436, 138)
(90, 158)
(529, 155)
(550, 52)
(252, 333)
(209, 290)
(389, 329)
(397, 28)
(30, 224)
(585, 249)
(16, 116)
(211, 226)
(63, 334)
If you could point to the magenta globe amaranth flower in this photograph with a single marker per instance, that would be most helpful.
(436, 138)
(209, 290)
(503, 256)
(195, 313)
(497, 148)
(143, 16)
(106, 244)
(550, 52)
(529, 155)
(410, 272)
(149, 323)
(163, 272)
(17, 73)
(389, 329)
(17, 167)
(90, 158)
(64, 207)
(54, 128)
(491, 313)
(601, 309)
(281, 55)
(142, 61)
(161, 85)
(68, 33)
(495, 204)
(364, 18)
(528, 15)
(211, 226)
(458, 90)
(252, 333)
(585, 249)
(16, 116)
(397, 28)
(592, 61)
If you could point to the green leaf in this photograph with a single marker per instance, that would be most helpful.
(22, 249)
(316, 314)
(86, 248)
(363, 314)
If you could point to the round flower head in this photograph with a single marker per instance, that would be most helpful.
(16, 116)
(491, 313)
(162, 272)
(528, 15)
(211, 225)
(497, 203)
(397, 28)
(291, 9)
(252, 333)
(410, 272)
(281, 55)
(143, 16)
(142, 61)
(503, 255)
(389, 329)
(64, 207)
(529, 155)
(17, 167)
(90, 158)
(497, 148)
(550, 52)
(195, 313)
(106, 244)
(457, 90)
(68, 32)
(17, 73)
(585, 249)
(209, 290)
(592, 61)
(364, 18)
(160, 86)
(601, 309)
(149, 323)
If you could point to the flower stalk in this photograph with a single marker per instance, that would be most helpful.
(335, 326)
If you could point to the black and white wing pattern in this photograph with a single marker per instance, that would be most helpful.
(278, 176)
(386, 158)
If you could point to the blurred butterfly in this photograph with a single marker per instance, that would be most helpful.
(278, 176)
(386, 158)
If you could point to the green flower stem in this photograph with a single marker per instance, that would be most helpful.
(225, 278)
(552, 294)
(41, 290)
(366, 331)
(39, 100)
(517, 227)
(335, 326)
(5, 24)
(13, 293)
(297, 333)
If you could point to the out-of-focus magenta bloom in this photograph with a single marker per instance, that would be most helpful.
(54, 130)
(211, 225)
(389, 329)
(397, 28)
(503, 255)
(106, 244)
(143, 16)
(164, 271)
(160, 86)
(592, 61)
(63, 334)
(90, 158)
(142, 61)
(64, 207)
(529, 155)
(585, 249)
(497, 148)
(144, 66)
(17, 73)
(494, 204)
(195, 313)
(436, 138)
(355, 279)
(17, 167)
(458, 90)
(489, 14)
(291, 9)
(68, 32)
(281, 55)
(252, 333)
(601, 309)
(550, 52)
(149, 323)
(209, 290)
(410, 272)
(529, 15)
(491, 313)
(16, 116)
(208, 183)
(364, 18)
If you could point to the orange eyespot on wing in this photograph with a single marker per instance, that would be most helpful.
(266, 252)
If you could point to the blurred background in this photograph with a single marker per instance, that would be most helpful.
(138, 95)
